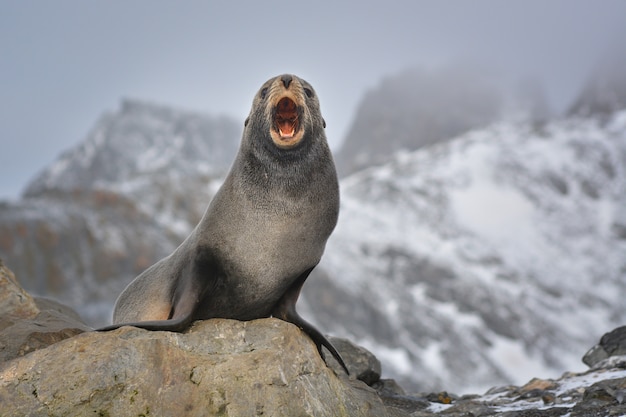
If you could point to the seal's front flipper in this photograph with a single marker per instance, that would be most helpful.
(285, 309)
(181, 317)
(185, 300)
(172, 325)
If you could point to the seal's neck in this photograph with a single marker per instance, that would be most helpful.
(293, 171)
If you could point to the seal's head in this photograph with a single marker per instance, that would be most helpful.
(286, 109)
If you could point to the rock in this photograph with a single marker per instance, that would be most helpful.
(538, 384)
(14, 301)
(597, 392)
(388, 387)
(28, 324)
(595, 355)
(218, 367)
(611, 344)
(601, 397)
(361, 362)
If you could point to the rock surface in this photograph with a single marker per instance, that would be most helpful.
(28, 323)
(611, 344)
(218, 367)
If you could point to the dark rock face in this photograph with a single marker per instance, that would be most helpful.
(612, 344)
(362, 364)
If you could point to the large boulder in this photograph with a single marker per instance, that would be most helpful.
(50, 364)
(218, 367)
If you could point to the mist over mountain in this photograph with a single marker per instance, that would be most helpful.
(605, 90)
(462, 261)
(418, 107)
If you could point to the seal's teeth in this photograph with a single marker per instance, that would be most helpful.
(286, 128)
(286, 133)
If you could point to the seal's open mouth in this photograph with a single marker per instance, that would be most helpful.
(286, 118)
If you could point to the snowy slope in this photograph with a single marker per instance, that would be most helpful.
(498, 256)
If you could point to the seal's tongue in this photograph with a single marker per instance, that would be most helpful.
(286, 117)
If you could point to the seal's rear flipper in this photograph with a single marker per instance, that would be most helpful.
(285, 309)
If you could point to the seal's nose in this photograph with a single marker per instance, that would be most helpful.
(286, 78)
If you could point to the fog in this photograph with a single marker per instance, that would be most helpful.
(63, 63)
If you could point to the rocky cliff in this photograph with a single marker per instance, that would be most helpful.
(52, 365)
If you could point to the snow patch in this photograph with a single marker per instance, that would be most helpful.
(396, 358)
(494, 212)
(513, 359)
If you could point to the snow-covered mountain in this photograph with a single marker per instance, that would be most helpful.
(138, 140)
(146, 152)
(486, 260)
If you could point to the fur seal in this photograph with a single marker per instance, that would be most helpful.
(263, 232)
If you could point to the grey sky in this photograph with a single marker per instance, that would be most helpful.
(64, 62)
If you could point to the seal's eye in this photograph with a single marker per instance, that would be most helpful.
(263, 93)
(308, 92)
